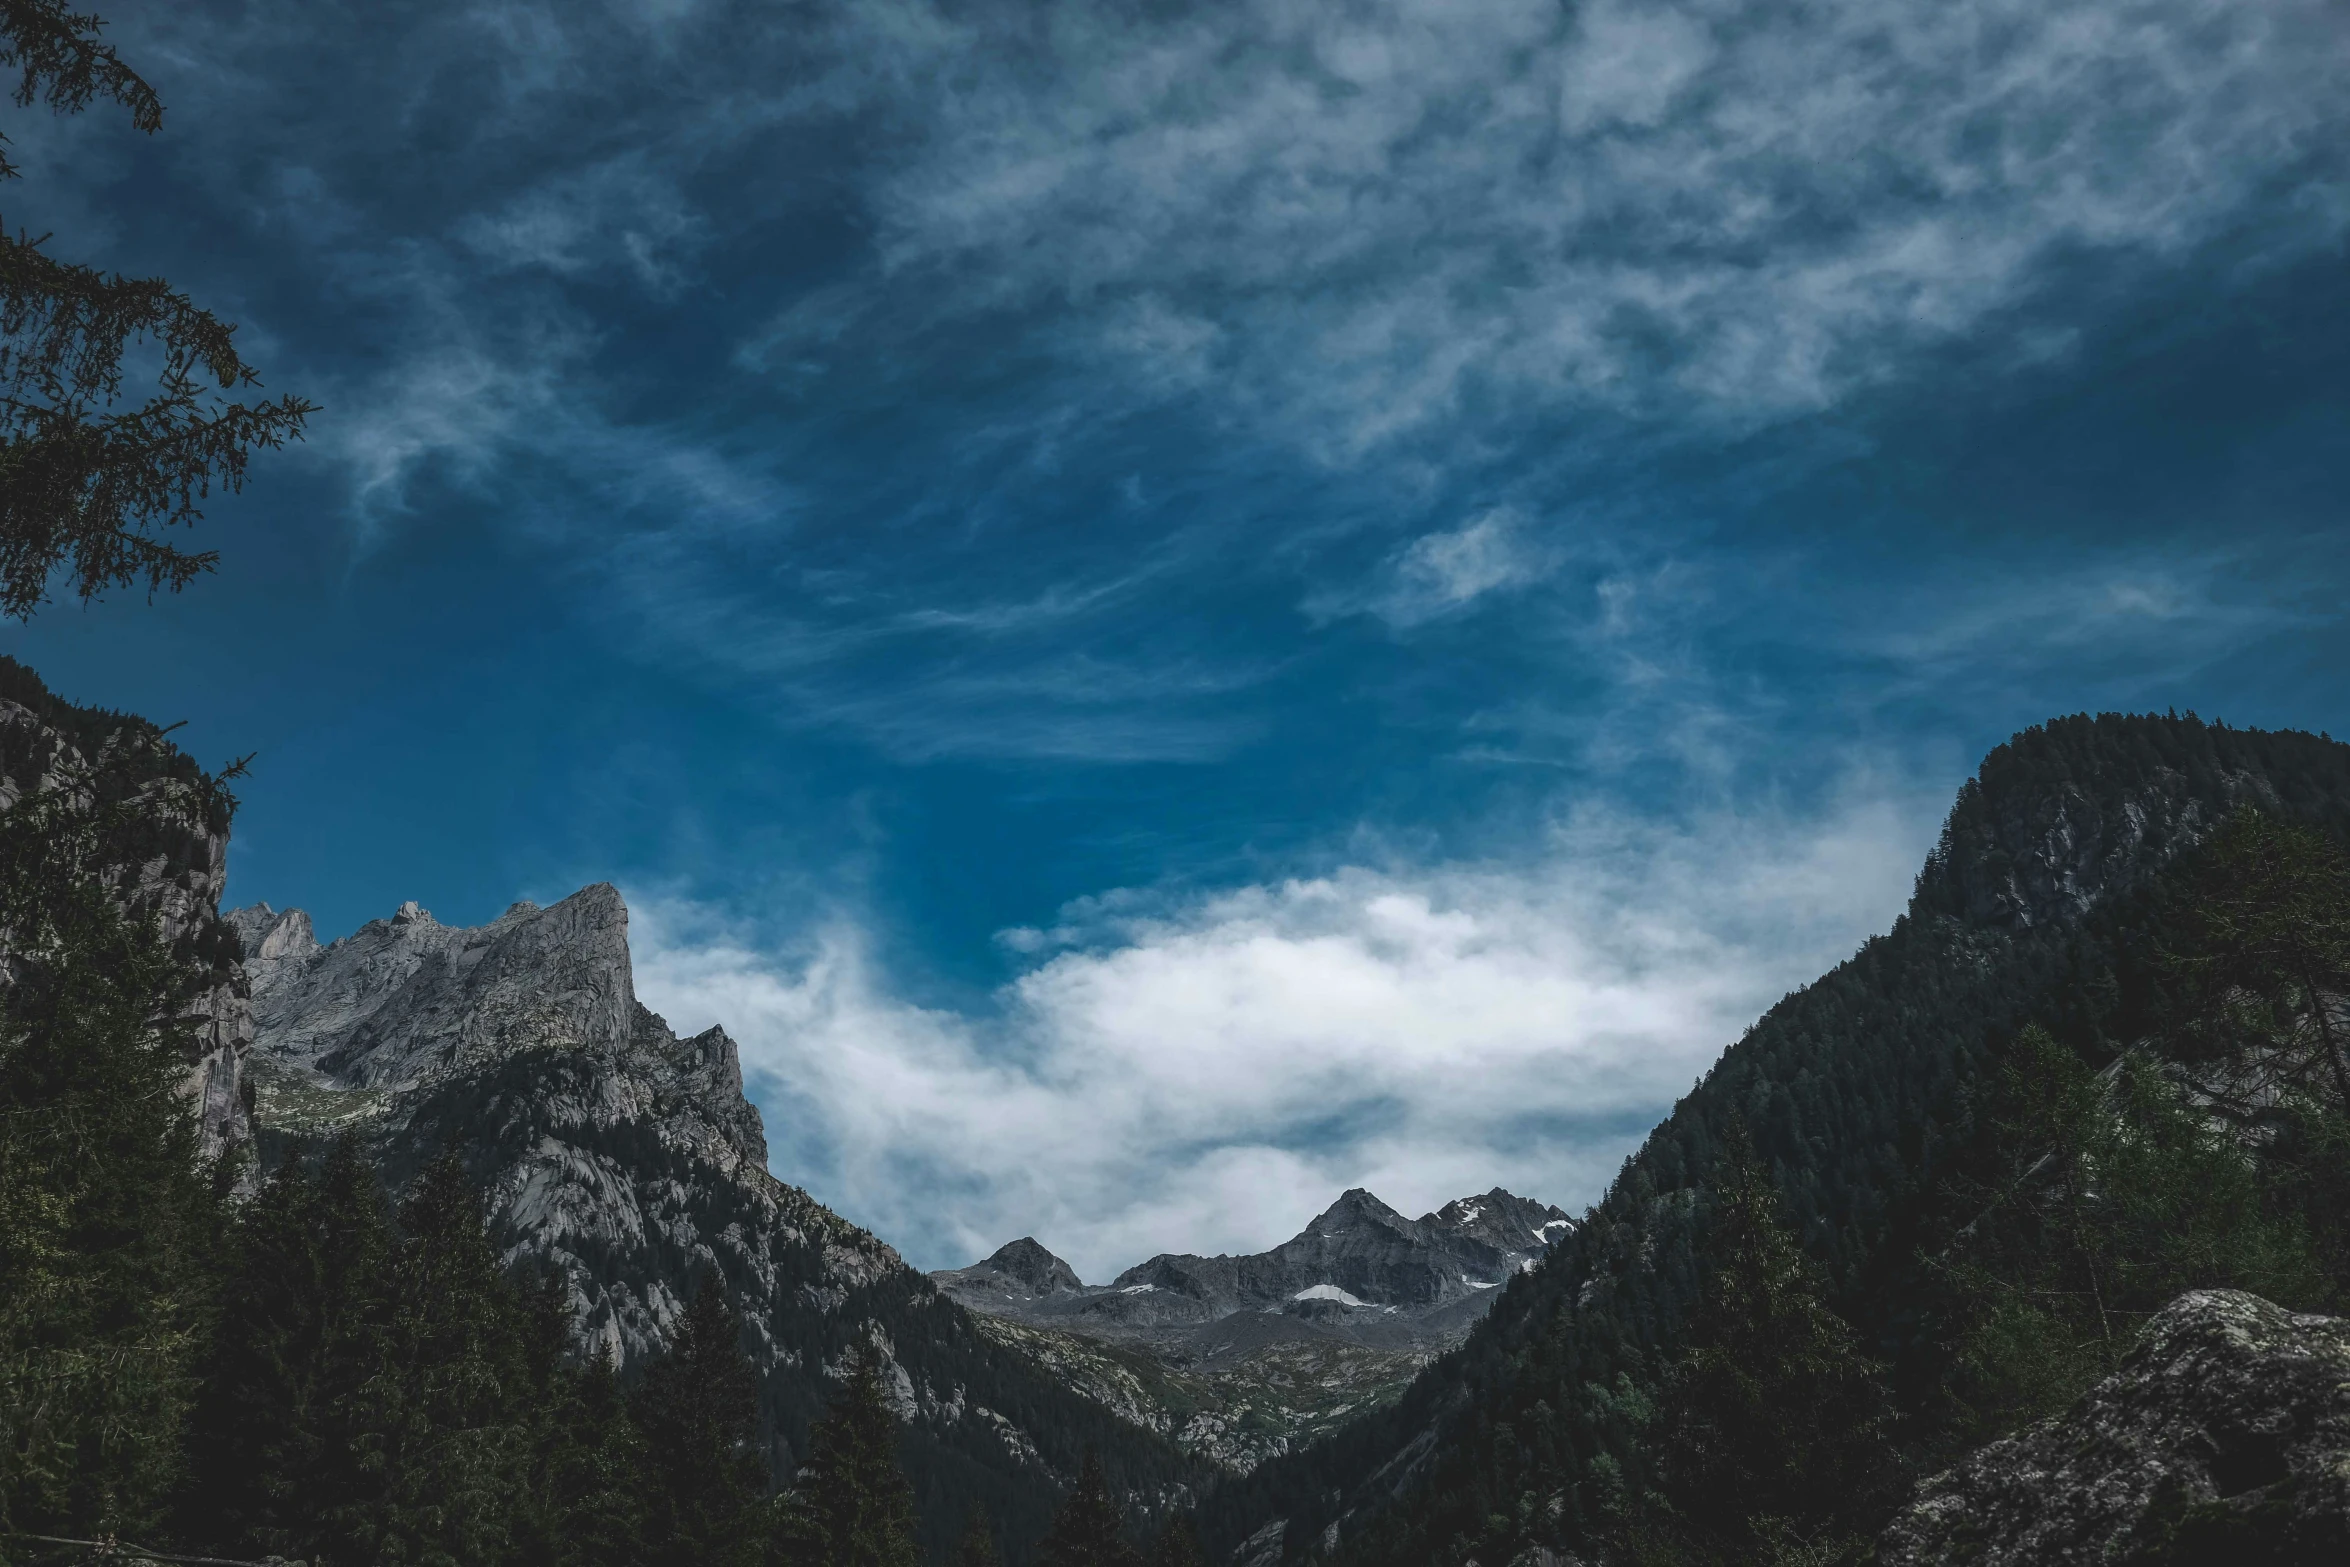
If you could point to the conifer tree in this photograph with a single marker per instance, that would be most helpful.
(88, 476)
(977, 1547)
(853, 1505)
(303, 1326)
(1775, 1426)
(697, 1410)
(446, 1430)
(1089, 1530)
(590, 1489)
(105, 1212)
(2118, 1196)
(1178, 1545)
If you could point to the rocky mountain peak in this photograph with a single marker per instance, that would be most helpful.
(1354, 1209)
(1034, 1266)
(1020, 1271)
(628, 1162)
(265, 935)
(405, 998)
(1504, 1219)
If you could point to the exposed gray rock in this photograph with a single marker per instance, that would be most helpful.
(2225, 1436)
(405, 1031)
(1020, 1272)
(2017, 859)
(168, 863)
(630, 1161)
(1263, 1548)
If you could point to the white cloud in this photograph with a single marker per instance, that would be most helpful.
(1206, 1075)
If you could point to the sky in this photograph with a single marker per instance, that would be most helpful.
(1169, 609)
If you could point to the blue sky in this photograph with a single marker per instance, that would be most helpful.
(1167, 609)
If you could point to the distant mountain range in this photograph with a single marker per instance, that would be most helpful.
(1241, 1358)
(1361, 1272)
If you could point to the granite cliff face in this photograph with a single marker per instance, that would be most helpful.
(160, 846)
(2224, 1437)
(629, 1160)
(1241, 1358)
(522, 1042)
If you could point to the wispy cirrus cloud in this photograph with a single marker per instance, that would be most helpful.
(1366, 221)
(1377, 216)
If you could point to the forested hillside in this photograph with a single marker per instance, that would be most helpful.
(1911, 1118)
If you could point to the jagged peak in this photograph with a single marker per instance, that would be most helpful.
(265, 934)
(1356, 1205)
(1027, 1260)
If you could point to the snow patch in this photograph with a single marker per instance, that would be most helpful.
(1328, 1292)
(1138, 1289)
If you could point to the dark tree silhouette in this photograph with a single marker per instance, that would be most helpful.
(91, 471)
(1089, 1530)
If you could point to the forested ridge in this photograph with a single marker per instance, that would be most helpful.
(2062, 929)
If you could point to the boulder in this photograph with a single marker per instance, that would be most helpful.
(2224, 1437)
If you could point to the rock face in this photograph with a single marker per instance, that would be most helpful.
(629, 1160)
(522, 1040)
(2224, 1437)
(1018, 1275)
(1241, 1358)
(161, 848)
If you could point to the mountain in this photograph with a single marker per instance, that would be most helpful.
(1361, 1272)
(628, 1160)
(2043, 902)
(1240, 1358)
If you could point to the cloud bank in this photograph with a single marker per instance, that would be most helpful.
(1205, 1074)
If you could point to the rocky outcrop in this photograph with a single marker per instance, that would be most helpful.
(522, 1043)
(157, 840)
(2224, 1437)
